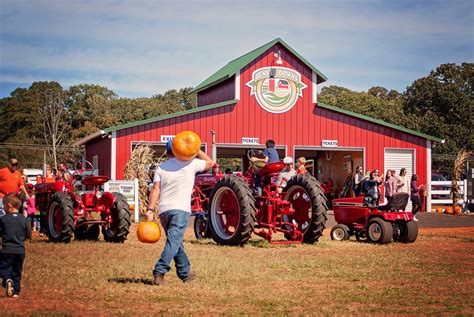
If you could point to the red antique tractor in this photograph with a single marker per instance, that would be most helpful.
(356, 216)
(66, 212)
(229, 210)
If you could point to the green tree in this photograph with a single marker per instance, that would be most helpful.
(444, 102)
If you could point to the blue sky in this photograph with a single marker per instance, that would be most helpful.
(141, 48)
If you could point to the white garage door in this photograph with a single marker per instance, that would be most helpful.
(396, 159)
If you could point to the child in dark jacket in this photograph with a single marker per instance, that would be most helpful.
(14, 230)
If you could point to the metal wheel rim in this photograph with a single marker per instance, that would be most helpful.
(300, 201)
(338, 234)
(54, 220)
(375, 231)
(223, 220)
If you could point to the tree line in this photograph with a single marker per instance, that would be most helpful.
(439, 104)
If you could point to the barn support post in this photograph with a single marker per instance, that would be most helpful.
(428, 175)
(213, 146)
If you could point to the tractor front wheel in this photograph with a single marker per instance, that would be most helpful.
(231, 211)
(408, 232)
(60, 218)
(201, 229)
(340, 232)
(379, 231)
(307, 198)
(118, 228)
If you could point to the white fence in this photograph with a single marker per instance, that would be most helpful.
(441, 192)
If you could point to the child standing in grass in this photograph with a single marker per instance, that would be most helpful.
(14, 230)
(31, 209)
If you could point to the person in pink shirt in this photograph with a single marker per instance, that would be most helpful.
(390, 185)
(31, 208)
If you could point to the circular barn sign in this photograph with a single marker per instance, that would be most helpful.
(276, 89)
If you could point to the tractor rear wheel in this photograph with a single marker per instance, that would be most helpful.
(60, 218)
(117, 230)
(340, 232)
(307, 198)
(231, 213)
(379, 231)
(408, 232)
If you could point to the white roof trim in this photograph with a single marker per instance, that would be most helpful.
(88, 138)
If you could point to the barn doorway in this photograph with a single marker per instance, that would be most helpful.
(332, 166)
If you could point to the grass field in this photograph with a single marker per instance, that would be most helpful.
(434, 275)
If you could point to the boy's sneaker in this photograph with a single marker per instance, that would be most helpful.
(9, 287)
(159, 279)
(414, 218)
(16, 296)
(191, 277)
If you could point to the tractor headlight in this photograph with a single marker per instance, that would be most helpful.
(98, 194)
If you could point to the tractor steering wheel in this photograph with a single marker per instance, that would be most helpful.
(83, 165)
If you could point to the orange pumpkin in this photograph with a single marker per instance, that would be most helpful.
(148, 232)
(449, 210)
(439, 209)
(186, 145)
(457, 210)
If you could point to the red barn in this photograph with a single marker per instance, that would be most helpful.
(271, 93)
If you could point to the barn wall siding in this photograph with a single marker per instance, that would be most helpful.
(101, 147)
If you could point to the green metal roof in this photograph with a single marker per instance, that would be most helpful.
(171, 115)
(378, 121)
(237, 64)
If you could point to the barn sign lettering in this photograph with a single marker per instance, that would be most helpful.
(250, 141)
(276, 89)
(329, 143)
(166, 138)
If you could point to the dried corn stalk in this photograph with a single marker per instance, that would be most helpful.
(461, 159)
(137, 166)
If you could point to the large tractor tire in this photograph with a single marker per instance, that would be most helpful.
(60, 218)
(117, 230)
(408, 232)
(231, 212)
(307, 198)
(379, 231)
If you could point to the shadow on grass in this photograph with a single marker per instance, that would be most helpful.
(134, 280)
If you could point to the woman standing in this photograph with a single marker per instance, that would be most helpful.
(390, 185)
(415, 196)
(358, 181)
(402, 182)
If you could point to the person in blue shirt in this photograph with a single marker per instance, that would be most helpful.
(270, 155)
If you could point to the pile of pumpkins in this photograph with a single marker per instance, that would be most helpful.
(449, 210)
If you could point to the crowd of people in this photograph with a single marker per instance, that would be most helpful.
(369, 186)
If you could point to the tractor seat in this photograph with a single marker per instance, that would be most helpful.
(399, 201)
(95, 180)
(271, 168)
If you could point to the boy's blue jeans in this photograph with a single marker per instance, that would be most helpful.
(11, 268)
(175, 223)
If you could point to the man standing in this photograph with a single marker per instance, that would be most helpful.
(10, 181)
(172, 188)
(63, 172)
